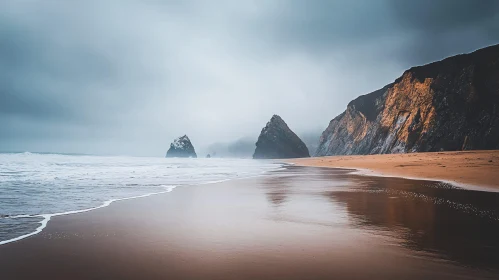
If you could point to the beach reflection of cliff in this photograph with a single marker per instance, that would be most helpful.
(277, 189)
(454, 224)
(283, 184)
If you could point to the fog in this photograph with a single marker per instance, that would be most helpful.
(127, 77)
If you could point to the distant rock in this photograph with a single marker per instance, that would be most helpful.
(240, 148)
(278, 141)
(448, 105)
(208, 156)
(181, 147)
(311, 140)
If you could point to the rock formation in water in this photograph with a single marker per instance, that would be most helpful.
(278, 141)
(181, 147)
(447, 105)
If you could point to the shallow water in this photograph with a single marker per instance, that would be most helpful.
(293, 223)
(432, 219)
(34, 187)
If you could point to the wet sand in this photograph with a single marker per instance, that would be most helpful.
(299, 223)
(470, 169)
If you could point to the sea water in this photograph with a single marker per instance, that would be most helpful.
(35, 187)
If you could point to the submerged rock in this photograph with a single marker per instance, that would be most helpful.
(278, 141)
(181, 147)
(447, 105)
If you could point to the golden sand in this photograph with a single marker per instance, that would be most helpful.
(469, 168)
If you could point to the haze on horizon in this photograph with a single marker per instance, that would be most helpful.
(128, 76)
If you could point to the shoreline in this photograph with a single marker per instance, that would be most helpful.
(473, 170)
(373, 173)
(46, 218)
(295, 223)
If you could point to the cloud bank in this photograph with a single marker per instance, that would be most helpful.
(126, 77)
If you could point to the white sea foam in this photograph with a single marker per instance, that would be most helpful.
(47, 217)
(36, 187)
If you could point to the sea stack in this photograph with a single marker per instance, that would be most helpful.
(278, 141)
(181, 147)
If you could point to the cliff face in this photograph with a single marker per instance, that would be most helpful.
(278, 141)
(448, 105)
(181, 147)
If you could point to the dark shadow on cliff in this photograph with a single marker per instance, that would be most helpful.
(465, 99)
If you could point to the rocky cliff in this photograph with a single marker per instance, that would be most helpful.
(181, 147)
(278, 141)
(448, 105)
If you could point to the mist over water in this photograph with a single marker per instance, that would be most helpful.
(33, 186)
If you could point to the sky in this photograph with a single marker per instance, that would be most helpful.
(125, 77)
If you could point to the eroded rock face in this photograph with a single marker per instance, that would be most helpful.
(278, 141)
(181, 147)
(448, 105)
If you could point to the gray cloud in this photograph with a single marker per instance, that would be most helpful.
(441, 16)
(126, 77)
(446, 27)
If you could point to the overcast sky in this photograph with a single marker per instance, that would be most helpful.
(128, 76)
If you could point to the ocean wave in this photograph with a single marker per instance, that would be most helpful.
(47, 217)
(36, 187)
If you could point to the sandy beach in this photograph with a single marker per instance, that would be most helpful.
(298, 223)
(470, 169)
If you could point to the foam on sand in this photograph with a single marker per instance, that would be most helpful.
(47, 217)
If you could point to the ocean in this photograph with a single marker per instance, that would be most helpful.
(35, 187)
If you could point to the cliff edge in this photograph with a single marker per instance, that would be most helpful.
(449, 105)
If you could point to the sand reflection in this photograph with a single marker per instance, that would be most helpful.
(430, 217)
